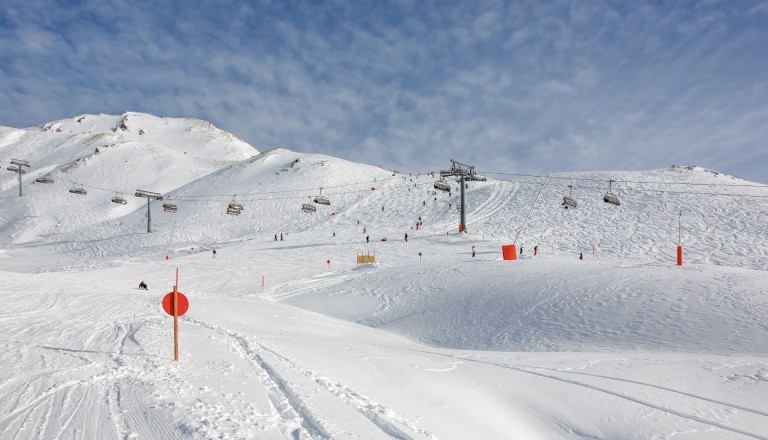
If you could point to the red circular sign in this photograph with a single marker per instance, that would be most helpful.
(182, 306)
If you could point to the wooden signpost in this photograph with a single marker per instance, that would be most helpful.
(175, 304)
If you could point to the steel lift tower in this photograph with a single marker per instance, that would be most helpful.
(149, 195)
(17, 166)
(463, 172)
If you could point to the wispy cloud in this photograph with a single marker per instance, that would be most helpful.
(511, 86)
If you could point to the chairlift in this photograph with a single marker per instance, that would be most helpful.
(119, 200)
(78, 190)
(308, 207)
(169, 207)
(610, 197)
(442, 185)
(569, 201)
(234, 206)
(233, 211)
(44, 179)
(15, 169)
(322, 200)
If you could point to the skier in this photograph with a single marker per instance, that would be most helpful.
(334, 233)
(143, 286)
(581, 256)
(214, 253)
(275, 237)
(535, 250)
(367, 238)
(406, 236)
(473, 251)
(281, 236)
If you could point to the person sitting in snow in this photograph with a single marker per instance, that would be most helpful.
(143, 286)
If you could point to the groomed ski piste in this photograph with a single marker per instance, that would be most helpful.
(291, 339)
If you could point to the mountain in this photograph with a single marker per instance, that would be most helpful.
(290, 338)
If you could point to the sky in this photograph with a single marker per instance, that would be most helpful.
(510, 87)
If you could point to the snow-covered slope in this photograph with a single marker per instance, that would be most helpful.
(107, 156)
(289, 338)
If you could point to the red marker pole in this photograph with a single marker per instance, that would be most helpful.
(175, 304)
(176, 318)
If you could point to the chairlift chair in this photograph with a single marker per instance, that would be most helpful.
(308, 207)
(119, 200)
(44, 179)
(233, 211)
(78, 190)
(169, 207)
(569, 201)
(15, 169)
(234, 206)
(610, 197)
(442, 185)
(321, 199)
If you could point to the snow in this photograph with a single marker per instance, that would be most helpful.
(278, 344)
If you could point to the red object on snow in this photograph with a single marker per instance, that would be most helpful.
(182, 306)
(509, 251)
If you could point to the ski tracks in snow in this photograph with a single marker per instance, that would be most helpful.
(300, 418)
(501, 195)
(698, 408)
(729, 417)
(735, 418)
(298, 287)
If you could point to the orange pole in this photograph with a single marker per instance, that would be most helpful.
(679, 255)
(176, 318)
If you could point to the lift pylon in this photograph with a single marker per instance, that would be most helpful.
(149, 195)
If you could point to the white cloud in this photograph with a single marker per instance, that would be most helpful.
(538, 87)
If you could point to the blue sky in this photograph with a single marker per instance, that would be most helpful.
(520, 86)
